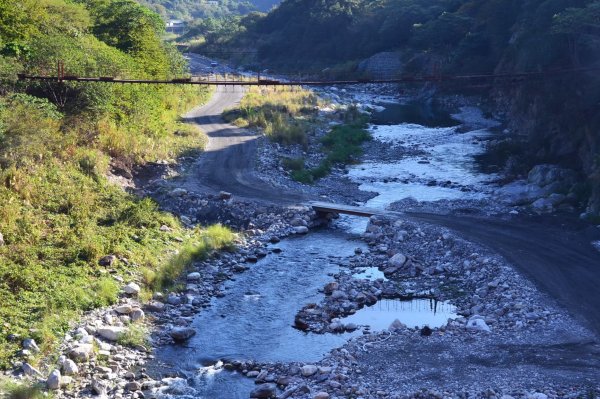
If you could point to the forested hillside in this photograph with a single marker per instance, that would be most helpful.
(59, 215)
(192, 9)
(454, 36)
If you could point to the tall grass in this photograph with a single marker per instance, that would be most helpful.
(284, 115)
(216, 237)
(60, 215)
(342, 145)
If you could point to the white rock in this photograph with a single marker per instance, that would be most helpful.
(124, 309)
(137, 315)
(308, 370)
(30, 344)
(301, 230)
(537, 395)
(478, 323)
(29, 370)
(397, 260)
(132, 289)
(69, 367)
(81, 352)
(110, 333)
(53, 381)
(195, 276)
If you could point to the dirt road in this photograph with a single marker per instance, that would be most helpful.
(228, 162)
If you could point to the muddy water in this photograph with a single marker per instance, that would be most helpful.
(253, 321)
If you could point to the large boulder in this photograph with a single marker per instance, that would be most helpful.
(111, 333)
(132, 289)
(53, 381)
(308, 370)
(180, 334)
(81, 353)
(69, 367)
(552, 177)
(264, 391)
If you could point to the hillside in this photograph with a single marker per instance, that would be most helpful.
(454, 37)
(58, 141)
(192, 9)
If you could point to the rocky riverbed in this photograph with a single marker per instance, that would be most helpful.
(502, 339)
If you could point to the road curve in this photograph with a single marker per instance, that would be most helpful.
(557, 256)
(229, 159)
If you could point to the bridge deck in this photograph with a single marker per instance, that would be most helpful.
(327, 207)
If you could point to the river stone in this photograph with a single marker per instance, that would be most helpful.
(155, 306)
(30, 344)
(478, 323)
(53, 381)
(178, 192)
(264, 391)
(308, 370)
(397, 260)
(321, 395)
(110, 333)
(69, 367)
(133, 386)
(301, 230)
(224, 195)
(180, 334)
(99, 387)
(330, 288)
(124, 309)
(397, 325)
(81, 353)
(132, 289)
(29, 370)
(195, 276)
(137, 315)
(107, 260)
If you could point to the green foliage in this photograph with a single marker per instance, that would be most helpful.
(59, 213)
(12, 390)
(135, 335)
(284, 115)
(193, 9)
(342, 145)
(213, 238)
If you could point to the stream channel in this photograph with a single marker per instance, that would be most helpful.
(254, 320)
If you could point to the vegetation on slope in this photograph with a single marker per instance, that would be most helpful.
(555, 116)
(286, 116)
(289, 116)
(59, 214)
(192, 9)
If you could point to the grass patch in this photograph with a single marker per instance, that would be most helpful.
(13, 390)
(342, 145)
(136, 335)
(215, 237)
(284, 115)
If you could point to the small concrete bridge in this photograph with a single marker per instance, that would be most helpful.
(327, 208)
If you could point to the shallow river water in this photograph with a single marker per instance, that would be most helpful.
(253, 321)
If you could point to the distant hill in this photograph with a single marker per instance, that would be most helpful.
(191, 9)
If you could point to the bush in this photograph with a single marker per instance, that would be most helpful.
(293, 164)
(134, 336)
